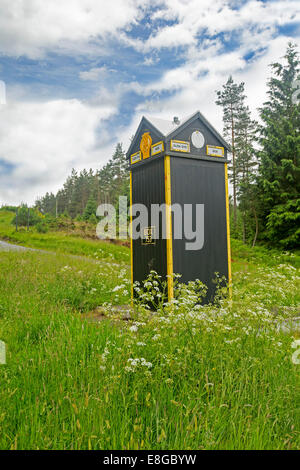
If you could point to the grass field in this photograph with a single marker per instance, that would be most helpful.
(59, 241)
(188, 377)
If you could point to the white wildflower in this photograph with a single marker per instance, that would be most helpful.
(134, 328)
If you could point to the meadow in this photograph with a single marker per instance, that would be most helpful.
(82, 375)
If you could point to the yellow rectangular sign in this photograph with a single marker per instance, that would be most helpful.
(157, 148)
(214, 151)
(180, 146)
(148, 236)
(135, 157)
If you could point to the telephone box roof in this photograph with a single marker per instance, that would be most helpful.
(169, 128)
(164, 126)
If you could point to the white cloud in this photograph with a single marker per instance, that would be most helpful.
(44, 141)
(207, 65)
(171, 36)
(31, 27)
(195, 83)
(150, 60)
(94, 74)
(194, 17)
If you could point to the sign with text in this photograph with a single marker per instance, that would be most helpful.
(157, 148)
(136, 157)
(148, 236)
(215, 151)
(180, 146)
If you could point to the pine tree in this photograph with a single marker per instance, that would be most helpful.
(246, 164)
(112, 176)
(90, 209)
(46, 204)
(73, 197)
(231, 98)
(279, 170)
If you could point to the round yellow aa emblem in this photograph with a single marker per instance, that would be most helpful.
(145, 145)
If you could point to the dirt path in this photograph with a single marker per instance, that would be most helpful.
(4, 246)
(10, 247)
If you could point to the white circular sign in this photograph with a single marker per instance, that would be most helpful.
(198, 139)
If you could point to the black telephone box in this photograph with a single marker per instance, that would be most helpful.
(183, 165)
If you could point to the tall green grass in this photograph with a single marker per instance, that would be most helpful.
(187, 377)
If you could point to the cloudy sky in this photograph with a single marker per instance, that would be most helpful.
(79, 74)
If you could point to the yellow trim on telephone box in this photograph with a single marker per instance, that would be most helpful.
(169, 227)
(131, 244)
(228, 231)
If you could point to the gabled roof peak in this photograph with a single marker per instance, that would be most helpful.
(168, 129)
(166, 126)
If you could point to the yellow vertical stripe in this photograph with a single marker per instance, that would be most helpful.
(228, 232)
(169, 227)
(131, 243)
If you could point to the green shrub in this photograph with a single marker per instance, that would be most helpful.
(25, 218)
(42, 227)
(93, 219)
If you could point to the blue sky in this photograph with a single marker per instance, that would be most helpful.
(79, 75)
